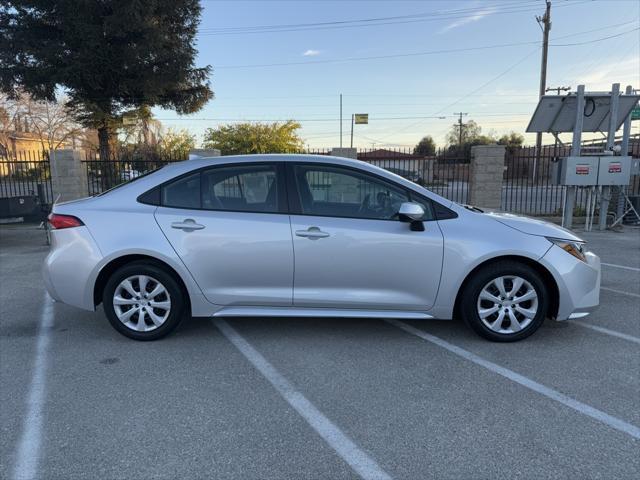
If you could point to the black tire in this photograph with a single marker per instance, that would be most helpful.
(468, 302)
(175, 293)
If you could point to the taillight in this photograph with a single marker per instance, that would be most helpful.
(58, 222)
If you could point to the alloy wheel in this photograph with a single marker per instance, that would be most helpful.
(141, 303)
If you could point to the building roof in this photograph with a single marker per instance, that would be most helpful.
(383, 153)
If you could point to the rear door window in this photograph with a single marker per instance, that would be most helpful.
(183, 192)
(241, 188)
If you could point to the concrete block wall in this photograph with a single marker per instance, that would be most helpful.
(68, 175)
(485, 176)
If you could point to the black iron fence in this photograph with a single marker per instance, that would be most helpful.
(528, 184)
(25, 184)
(122, 167)
(444, 172)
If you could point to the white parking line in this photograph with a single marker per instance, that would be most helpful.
(622, 292)
(576, 405)
(634, 269)
(606, 331)
(28, 453)
(357, 459)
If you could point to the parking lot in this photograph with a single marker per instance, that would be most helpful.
(316, 398)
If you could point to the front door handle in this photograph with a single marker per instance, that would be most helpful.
(312, 233)
(187, 225)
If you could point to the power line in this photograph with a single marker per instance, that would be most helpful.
(587, 42)
(377, 57)
(496, 9)
(473, 92)
(372, 118)
(417, 54)
(377, 95)
(486, 84)
(410, 16)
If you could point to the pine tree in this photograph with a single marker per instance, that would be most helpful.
(109, 57)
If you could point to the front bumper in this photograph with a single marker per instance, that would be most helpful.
(578, 282)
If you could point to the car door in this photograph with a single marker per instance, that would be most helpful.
(230, 227)
(351, 251)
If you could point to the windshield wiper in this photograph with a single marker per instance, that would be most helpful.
(472, 208)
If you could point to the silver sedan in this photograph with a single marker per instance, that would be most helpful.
(308, 236)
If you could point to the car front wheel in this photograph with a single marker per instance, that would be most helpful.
(505, 301)
(142, 301)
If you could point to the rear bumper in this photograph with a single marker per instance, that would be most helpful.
(578, 282)
(68, 268)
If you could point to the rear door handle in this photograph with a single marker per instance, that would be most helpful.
(187, 225)
(312, 233)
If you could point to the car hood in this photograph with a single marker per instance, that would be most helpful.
(533, 226)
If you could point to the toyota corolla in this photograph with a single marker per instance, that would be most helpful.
(309, 236)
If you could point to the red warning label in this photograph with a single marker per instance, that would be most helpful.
(615, 167)
(582, 169)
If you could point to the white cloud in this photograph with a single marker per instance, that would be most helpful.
(625, 71)
(311, 53)
(464, 21)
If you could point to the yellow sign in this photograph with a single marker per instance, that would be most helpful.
(129, 120)
(361, 118)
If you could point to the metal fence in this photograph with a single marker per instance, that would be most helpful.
(25, 184)
(444, 172)
(528, 186)
(122, 167)
(528, 183)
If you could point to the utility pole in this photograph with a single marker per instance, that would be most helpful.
(340, 120)
(353, 115)
(557, 89)
(460, 126)
(545, 24)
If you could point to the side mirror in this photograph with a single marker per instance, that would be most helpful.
(412, 213)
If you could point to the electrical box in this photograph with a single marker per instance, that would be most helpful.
(19, 206)
(595, 170)
(614, 170)
(578, 171)
(635, 166)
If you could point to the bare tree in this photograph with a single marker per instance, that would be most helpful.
(11, 112)
(52, 123)
(49, 122)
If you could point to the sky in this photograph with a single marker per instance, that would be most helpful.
(409, 64)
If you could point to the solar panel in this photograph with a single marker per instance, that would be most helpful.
(557, 113)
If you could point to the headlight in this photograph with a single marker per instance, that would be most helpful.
(573, 248)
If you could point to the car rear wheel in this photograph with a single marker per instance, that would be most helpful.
(142, 301)
(505, 301)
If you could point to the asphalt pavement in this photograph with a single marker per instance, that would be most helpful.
(316, 398)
